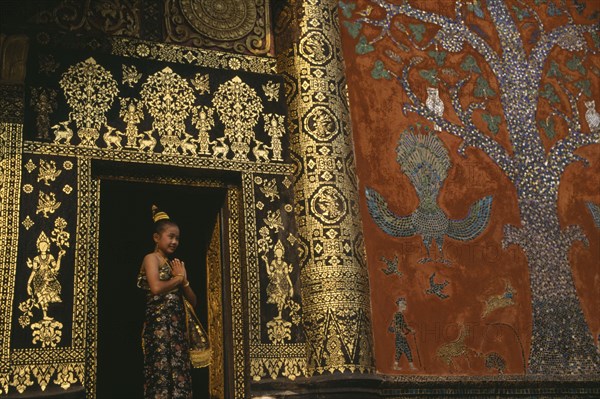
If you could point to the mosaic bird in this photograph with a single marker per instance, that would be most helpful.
(437, 289)
(592, 117)
(435, 104)
(425, 160)
(392, 266)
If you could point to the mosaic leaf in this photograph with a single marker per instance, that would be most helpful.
(438, 56)
(554, 70)
(521, 14)
(553, 10)
(493, 122)
(574, 64)
(579, 6)
(475, 8)
(363, 46)
(470, 65)
(548, 127)
(550, 94)
(430, 75)
(347, 8)
(353, 28)
(585, 86)
(379, 71)
(596, 39)
(483, 88)
(418, 30)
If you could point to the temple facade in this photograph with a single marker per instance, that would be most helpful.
(377, 199)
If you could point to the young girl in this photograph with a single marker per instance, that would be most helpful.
(166, 355)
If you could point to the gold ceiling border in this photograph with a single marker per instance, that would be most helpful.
(183, 161)
(137, 48)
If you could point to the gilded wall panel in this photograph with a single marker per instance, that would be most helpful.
(148, 106)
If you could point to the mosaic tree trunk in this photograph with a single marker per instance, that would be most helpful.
(561, 339)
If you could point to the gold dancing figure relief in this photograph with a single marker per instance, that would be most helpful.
(132, 114)
(43, 286)
(279, 292)
(280, 286)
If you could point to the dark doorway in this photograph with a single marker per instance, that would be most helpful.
(125, 238)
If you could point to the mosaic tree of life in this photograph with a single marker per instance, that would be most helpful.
(538, 93)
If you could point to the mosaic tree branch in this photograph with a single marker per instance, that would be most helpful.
(451, 36)
(570, 37)
(470, 134)
(563, 154)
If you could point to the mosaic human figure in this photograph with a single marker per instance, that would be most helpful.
(399, 327)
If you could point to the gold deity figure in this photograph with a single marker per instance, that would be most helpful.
(43, 284)
(280, 286)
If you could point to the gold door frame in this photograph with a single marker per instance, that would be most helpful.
(217, 265)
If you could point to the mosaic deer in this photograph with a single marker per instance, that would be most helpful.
(448, 352)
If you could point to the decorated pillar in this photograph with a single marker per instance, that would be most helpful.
(335, 287)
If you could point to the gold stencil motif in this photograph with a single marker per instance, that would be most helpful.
(43, 286)
(48, 171)
(239, 108)
(90, 90)
(168, 98)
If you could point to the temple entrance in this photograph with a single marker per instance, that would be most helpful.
(125, 237)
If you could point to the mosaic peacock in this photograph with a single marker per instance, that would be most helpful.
(425, 160)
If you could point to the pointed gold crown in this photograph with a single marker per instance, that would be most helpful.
(158, 215)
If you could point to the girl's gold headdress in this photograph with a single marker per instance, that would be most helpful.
(158, 215)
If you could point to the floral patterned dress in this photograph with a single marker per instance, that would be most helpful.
(167, 367)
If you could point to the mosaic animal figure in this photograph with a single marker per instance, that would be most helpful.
(457, 348)
(425, 160)
(437, 289)
(435, 104)
(499, 301)
(494, 361)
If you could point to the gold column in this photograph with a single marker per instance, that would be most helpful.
(335, 286)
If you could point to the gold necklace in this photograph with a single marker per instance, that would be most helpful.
(164, 259)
